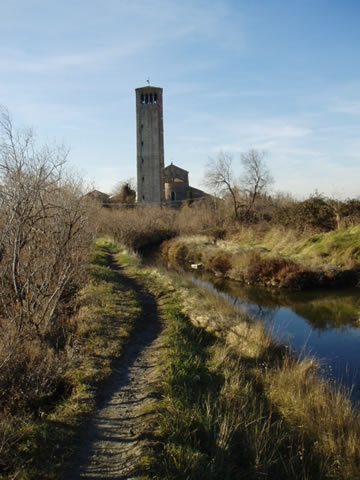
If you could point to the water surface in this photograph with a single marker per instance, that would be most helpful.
(322, 323)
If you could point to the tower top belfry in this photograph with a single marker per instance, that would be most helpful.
(150, 145)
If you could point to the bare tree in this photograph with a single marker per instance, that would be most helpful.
(43, 239)
(124, 194)
(219, 178)
(130, 182)
(256, 177)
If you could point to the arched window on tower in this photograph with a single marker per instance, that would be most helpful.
(149, 99)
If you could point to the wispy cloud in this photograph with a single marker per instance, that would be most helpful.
(346, 106)
(15, 60)
(270, 132)
(245, 93)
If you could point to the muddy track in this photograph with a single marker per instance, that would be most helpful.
(113, 442)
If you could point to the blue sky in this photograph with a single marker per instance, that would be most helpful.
(277, 75)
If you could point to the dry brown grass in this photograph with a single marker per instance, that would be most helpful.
(255, 264)
(46, 392)
(137, 227)
(316, 421)
(326, 415)
(214, 313)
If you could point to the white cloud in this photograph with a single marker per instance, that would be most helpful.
(346, 106)
(263, 134)
(15, 60)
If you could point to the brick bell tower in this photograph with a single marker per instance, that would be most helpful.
(150, 145)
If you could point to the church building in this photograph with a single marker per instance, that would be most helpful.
(157, 185)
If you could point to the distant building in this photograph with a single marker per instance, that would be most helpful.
(99, 197)
(177, 188)
(155, 184)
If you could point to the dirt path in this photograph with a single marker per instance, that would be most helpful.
(112, 445)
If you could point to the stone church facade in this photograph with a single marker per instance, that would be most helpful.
(177, 188)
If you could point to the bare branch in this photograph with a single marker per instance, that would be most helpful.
(256, 178)
(44, 237)
(219, 178)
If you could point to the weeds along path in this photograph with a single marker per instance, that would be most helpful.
(113, 442)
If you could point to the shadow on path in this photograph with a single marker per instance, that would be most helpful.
(112, 442)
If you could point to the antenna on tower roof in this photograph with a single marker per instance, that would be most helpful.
(148, 80)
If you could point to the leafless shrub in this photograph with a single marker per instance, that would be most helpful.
(44, 238)
(204, 218)
(33, 380)
(138, 227)
(221, 264)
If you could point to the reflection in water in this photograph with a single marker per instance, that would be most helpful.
(324, 309)
(323, 323)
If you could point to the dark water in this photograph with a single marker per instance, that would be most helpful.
(322, 323)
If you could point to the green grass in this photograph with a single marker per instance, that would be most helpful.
(275, 258)
(187, 430)
(230, 404)
(340, 248)
(213, 420)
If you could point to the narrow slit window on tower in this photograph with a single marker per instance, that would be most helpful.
(142, 160)
(143, 178)
(142, 99)
(155, 97)
(143, 197)
(146, 99)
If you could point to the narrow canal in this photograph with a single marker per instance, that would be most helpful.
(321, 323)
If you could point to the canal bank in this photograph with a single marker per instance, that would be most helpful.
(293, 268)
(272, 413)
(319, 322)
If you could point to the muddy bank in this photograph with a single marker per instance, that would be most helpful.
(254, 266)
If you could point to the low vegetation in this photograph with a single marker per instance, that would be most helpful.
(234, 404)
(65, 317)
(231, 402)
(54, 391)
(137, 228)
(274, 241)
(255, 260)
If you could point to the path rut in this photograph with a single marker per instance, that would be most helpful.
(113, 442)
